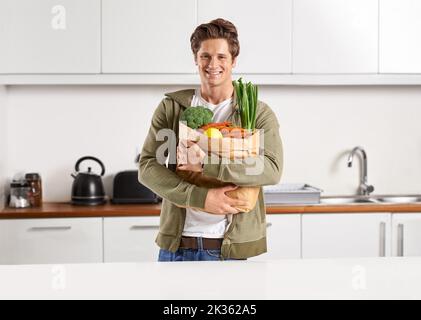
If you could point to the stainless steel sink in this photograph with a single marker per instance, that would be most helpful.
(400, 199)
(347, 200)
(380, 199)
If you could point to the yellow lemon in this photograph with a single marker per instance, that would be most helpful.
(213, 133)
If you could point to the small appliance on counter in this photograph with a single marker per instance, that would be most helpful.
(292, 193)
(26, 192)
(20, 192)
(88, 188)
(128, 190)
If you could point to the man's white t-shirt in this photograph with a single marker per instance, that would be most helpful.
(199, 223)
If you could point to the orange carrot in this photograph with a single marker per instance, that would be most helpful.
(217, 125)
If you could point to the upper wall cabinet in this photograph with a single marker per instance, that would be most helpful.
(400, 36)
(50, 36)
(264, 30)
(335, 36)
(148, 36)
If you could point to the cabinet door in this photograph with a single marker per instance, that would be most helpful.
(346, 235)
(130, 239)
(264, 31)
(283, 236)
(406, 235)
(400, 36)
(148, 36)
(50, 36)
(51, 241)
(335, 36)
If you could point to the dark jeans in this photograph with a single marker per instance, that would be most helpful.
(189, 255)
(200, 254)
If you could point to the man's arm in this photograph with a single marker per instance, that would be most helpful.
(259, 171)
(162, 181)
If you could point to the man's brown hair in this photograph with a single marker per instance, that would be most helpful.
(216, 29)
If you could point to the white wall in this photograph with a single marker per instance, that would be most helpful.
(50, 127)
(3, 144)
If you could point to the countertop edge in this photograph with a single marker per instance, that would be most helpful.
(66, 210)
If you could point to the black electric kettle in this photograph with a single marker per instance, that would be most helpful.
(88, 189)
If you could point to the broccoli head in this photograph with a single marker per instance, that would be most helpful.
(197, 117)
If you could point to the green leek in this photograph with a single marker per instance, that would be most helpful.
(247, 94)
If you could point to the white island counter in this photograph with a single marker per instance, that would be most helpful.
(382, 278)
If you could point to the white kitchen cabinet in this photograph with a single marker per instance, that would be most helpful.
(51, 241)
(335, 36)
(400, 36)
(3, 145)
(283, 237)
(130, 239)
(148, 36)
(406, 235)
(346, 235)
(50, 36)
(264, 30)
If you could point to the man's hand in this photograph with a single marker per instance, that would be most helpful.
(190, 156)
(217, 202)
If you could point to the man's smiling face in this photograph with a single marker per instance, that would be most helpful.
(215, 62)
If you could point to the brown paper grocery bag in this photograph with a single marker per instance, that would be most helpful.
(229, 148)
(249, 194)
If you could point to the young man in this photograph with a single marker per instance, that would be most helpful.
(199, 223)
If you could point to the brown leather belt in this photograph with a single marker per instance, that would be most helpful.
(193, 243)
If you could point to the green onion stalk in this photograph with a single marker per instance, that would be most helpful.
(247, 94)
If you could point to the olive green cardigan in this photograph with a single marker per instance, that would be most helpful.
(246, 235)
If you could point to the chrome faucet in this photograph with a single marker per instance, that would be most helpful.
(364, 188)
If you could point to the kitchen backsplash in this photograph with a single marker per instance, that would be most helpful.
(51, 127)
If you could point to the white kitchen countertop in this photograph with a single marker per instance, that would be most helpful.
(377, 278)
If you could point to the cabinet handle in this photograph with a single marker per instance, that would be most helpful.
(383, 239)
(144, 228)
(268, 225)
(401, 247)
(50, 228)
